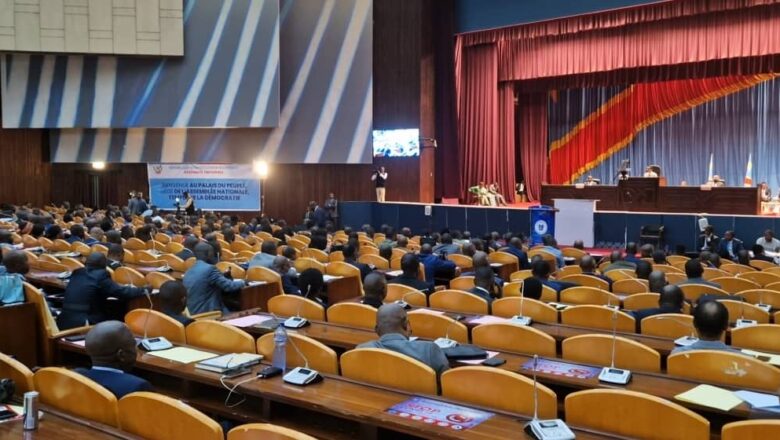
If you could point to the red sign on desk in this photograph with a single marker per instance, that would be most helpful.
(445, 415)
(562, 369)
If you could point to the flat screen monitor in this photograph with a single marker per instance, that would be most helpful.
(397, 143)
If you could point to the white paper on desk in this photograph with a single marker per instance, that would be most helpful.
(255, 283)
(758, 400)
(428, 311)
(329, 278)
(489, 319)
(247, 321)
(490, 354)
(773, 358)
(394, 273)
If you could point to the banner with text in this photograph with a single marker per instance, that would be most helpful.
(223, 187)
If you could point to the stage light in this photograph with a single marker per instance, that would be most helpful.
(99, 165)
(261, 168)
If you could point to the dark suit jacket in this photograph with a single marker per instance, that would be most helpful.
(413, 282)
(639, 315)
(482, 294)
(437, 267)
(736, 246)
(288, 286)
(320, 216)
(119, 383)
(86, 294)
(521, 255)
(364, 269)
(185, 254)
(184, 320)
(371, 301)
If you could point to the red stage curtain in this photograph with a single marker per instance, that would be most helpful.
(533, 141)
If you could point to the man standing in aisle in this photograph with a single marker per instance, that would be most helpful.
(379, 177)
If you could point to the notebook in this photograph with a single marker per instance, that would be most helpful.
(230, 361)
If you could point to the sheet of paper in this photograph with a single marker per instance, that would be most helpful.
(773, 358)
(428, 311)
(329, 278)
(247, 321)
(490, 354)
(710, 396)
(256, 283)
(758, 400)
(394, 273)
(82, 343)
(183, 354)
(488, 319)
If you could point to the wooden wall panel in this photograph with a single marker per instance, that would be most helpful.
(24, 167)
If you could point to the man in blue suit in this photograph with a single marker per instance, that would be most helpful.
(516, 248)
(435, 266)
(206, 284)
(670, 301)
(349, 252)
(111, 347)
(730, 246)
(485, 286)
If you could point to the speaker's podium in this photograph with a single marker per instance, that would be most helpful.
(575, 221)
(639, 193)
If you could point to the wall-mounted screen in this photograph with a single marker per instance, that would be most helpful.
(397, 143)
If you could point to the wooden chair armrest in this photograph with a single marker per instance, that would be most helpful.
(72, 331)
(207, 315)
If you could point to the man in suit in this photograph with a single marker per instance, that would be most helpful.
(588, 266)
(480, 259)
(87, 292)
(111, 347)
(540, 270)
(189, 245)
(282, 266)
(515, 248)
(116, 255)
(694, 272)
(206, 284)
(375, 290)
(708, 241)
(410, 265)
(631, 251)
(656, 281)
(670, 301)
(319, 215)
(266, 257)
(710, 319)
(730, 246)
(392, 326)
(173, 300)
(436, 266)
(551, 246)
(349, 253)
(617, 262)
(484, 286)
(446, 247)
(643, 269)
(77, 234)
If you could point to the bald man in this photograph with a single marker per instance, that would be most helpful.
(435, 266)
(670, 301)
(710, 319)
(657, 281)
(111, 347)
(206, 285)
(515, 248)
(375, 290)
(588, 266)
(392, 326)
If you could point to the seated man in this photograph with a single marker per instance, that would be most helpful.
(87, 292)
(656, 281)
(311, 285)
(77, 234)
(282, 266)
(515, 248)
(670, 301)
(484, 285)
(386, 251)
(540, 270)
(646, 250)
(116, 255)
(173, 300)
(392, 326)
(617, 262)
(631, 251)
(410, 265)
(265, 258)
(659, 257)
(189, 246)
(643, 269)
(111, 347)
(532, 288)
(480, 259)
(375, 290)
(588, 266)
(694, 272)
(551, 246)
(769, 242)
(435, 266)
(730, 246)
(350, 253)
(710, 319)
(758, 254)
(447, 246)
(206, 284)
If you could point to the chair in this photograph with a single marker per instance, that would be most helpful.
(640, 301)
(692, 292)
(742, 309)
(653, 234)
(236, 271)
(157, 279)
(266, 431)
(297, 244)
(762, 265)
(773, 286)
(588, 295)
(462, 261)
(145, 322)
(513, 338)
(315, 254)
(668, 325)
(174, 247)
(352, 314)
(751, 430)
(430, 326)
(575, 253)
(458, 301)
(301, 351)
(737, 269)
(709, 366)
(672, 259)
(339, 256)
(597, 349)
(157, 417)
(512, 288)
(61, 246)
(374, 260)
(505, 259)
(367, 250)
(81, 248)
(711, 272)
(388, 368)
(520, 275)
(260, 273)
(73, 393)
(129, 276)
(410, 295)
(634, 415)
(675, 278)
(238, 246)
(48, 332)
(218, 336)
(537, 310)
(174, 262)
(761, 278)
(761, 296)
(566, 271)
(398, 252)
(620, 274)
(71, 264)
(630, 286)
(135, 244)
(667, 269)
(735, 285)
(597, 317)
(304, 263)
(50, 258)
(346, 270)
(587, 281)
(764, 337)
(293, 305)
(462, 283)
(48, 266)
(18, 372)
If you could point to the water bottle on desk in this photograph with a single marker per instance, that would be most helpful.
(280, 348)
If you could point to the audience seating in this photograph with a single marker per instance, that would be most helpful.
(764, 337)
(632, 414)
(157, 417)
(630, 286)
(736, 269)
(520, 275)
(505, 259)
(412, 296)
(761, 278)
(762, 265)
(72, 264)
(72, 393)
(129, 277)
(761, 296)
(134, 244)
(316, 254)
(458, 301)
(48, 332)
(675, 278)
(735, 285)
(462, 283)
(368, 250)
(301, 351)
(462, 261)
(621, 274)
(597, 349)
(742, 309)
(720, 367)
(640, 301)
(375, 260)
(22, 376)
(352, 314)
(512, 288)
(218, 336)
(154, 324)
(587, 281)
(672, 259)
(588, 295)
(711, 272)
(398, 252)
(157, 279)
(575, 253)
(566, 271)
(390, 369)
(259, 273)
(692, 292)
(346, 270)
(431, 326)
(537, 310)
(236, 271)
(48, 266)
(751, 430)
(597, 317)
(668, 325)
(666, 268)
(498, 389)
(513, 338)
(293, 305)
(265, 431)
(304, 263)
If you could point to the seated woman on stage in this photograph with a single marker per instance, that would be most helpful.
(497, 196)
(482, 194)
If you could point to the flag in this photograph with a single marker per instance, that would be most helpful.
(749, 172)
(709, 173)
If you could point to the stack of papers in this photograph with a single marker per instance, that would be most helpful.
(183, 354)
(489, 319)
(711, 397)
(247, 321)
(428, 311)
(758, 400)
(773, 358)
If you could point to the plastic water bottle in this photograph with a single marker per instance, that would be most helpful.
(280, 348)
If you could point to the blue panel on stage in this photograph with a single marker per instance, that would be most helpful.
(456, 218)
(721, 224)
(476, 220)
(413, 216)
(680, 230)
(355, 214)
(749, 229)
(519, 221)
(609, 228)
(497, 220)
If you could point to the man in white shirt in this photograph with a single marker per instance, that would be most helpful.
(379, 177)
(769, 242)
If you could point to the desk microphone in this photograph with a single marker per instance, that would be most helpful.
(742, 322)
(611, 374)
(297, 321)
(300, 375)
(521, 319)
(682, 341)
(402, 302)
(153, 344)
(552, 429)
(446, 342)
(765, 307)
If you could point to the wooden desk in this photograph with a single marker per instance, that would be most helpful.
(60, 426)
(19, 332)
(44, 279)
(253, 297)
(357, 409)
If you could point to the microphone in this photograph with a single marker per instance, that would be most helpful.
(299, 375)
(742, 322)
(682, 341)
(153, 344)
(402, 302)
(521, 319)
(297, 321)
(611, 374)
(552, 429)
(446, 342)
(765, 307)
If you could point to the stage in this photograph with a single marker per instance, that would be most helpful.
(611, 227)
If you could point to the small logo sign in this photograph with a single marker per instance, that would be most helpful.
(540, 227)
